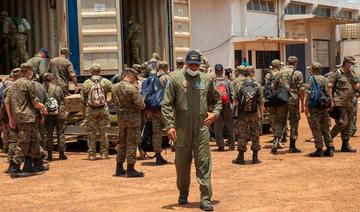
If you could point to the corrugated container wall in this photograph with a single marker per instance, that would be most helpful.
(47, 21)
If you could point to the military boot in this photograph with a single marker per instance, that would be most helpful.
(62, 155)
(206, 206)
(240, 158)
(182, 200)
(131, 172)
(49, 157)
(255, 158)
(120, 171)
(293, 148)
(38, 165)
(14, 169)
(160, 160)
(28, 165)
(317, 153)
(104, 156)
(345, 147)
(275, 145)
(329, 152)
(92, 156)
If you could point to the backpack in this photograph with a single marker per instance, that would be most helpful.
(146, 144)
(281, 95)
(96, 96)
(318, 98)
(153, 93)
(222, 88)
(249, 96)
(52, 106)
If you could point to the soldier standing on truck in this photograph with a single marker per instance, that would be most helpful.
(93, 95)
(134, 40)
(63, 71)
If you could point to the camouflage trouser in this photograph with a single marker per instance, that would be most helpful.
(353, 127)
(319, 125)
(272, 118)
(97, 119)
(129, 140)
(28, 143)
(249, 125)
(344, 126)
(158, 129)
(18, 52)
(294, 117)
(281, 120)
(9, 137)
(58, 123)
(225, 119)
(135, 54)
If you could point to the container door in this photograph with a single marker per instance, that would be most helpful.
(181, 27)
(100, 35)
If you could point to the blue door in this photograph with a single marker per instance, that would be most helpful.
(297, 50)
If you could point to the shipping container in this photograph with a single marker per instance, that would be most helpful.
(95, 30)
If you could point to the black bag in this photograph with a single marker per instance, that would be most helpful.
(146, 144)
(335, 113)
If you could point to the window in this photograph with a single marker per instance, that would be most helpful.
(261, 6)
(264, 58)
(322, 11)
(345, 14)
(295, 9)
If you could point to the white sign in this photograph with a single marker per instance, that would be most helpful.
(99, 7)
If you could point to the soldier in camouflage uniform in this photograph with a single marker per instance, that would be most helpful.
(292, 79)
(134, 40)
(249, 123)
(157, 117)
(343, 84)
(55, 120)
(18, 40)
(236, 82)
(129, 104)
(180, 62)
(97, 117)
(23, 103)
(319, 117)
(225, 119)
(353, 127)
(40, 62)
(63, 71)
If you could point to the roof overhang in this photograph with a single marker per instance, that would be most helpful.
(319, 18)
(280, 40)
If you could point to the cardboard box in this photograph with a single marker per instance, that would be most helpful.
(73, 103)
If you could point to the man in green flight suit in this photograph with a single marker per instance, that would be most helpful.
(190, 105)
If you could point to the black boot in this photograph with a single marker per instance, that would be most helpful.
(160, 160)
(131, 172)
(28, 165)
(275, 145)
(240, 158)
(120, 171)
(293, 148)
(62, 155)
(329, 152)
(182, 200)
(345, 147)
(14, 169)
(221, 149)
(317, 153)
(255, 158)
(38, 165)
(49, 157)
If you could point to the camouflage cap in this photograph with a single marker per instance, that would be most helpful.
(95, 67)
(132, 72)
(350, 59)
(180, 60)
(156, 56)
(163, 64)
(15, 72)
(26, 66)
(240, 68)
(65, 50)
(276, 62)
(315, 66)
(292, 59)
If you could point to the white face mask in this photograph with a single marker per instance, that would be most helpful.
(352, 68)
(192, 73)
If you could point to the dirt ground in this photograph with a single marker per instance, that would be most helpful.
(285, 182)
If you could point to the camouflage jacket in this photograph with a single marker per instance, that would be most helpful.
(62, 71)
(127, 98)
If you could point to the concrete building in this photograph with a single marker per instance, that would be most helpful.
(261, 30)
